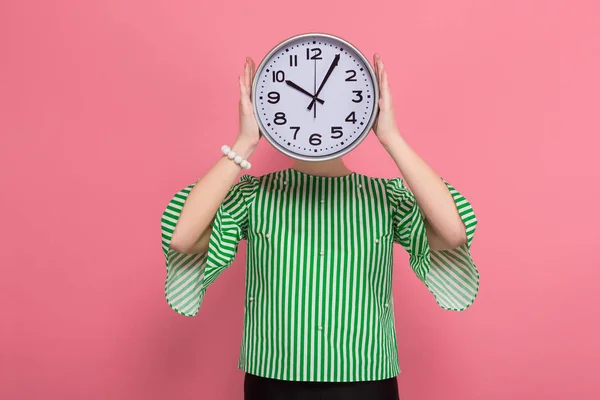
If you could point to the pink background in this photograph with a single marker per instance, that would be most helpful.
(109, 107)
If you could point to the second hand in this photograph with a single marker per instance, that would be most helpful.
(315, 89)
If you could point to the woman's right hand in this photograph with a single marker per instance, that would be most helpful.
(248, 133)
(194, 226)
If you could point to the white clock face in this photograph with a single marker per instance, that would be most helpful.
(315, 97)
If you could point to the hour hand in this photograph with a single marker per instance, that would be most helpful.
(298, 88)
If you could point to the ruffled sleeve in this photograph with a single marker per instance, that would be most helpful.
(450, 275)
(189, 275)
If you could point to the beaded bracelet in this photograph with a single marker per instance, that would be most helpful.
(236, 159)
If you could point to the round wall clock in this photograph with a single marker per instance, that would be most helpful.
(315, 97)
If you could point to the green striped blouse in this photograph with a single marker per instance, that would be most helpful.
(318, 304)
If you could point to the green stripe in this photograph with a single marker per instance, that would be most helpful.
(319, 317)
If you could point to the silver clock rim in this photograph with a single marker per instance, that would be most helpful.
(369, 124)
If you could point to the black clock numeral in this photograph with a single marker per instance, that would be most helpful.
(316, 56)
(280, 118)
(315, 139)
(352, 77)
(293, 60)
(273, 97)
(296, 129)
(336, 130)
(359, 95)
(351, 117)
(278, 76)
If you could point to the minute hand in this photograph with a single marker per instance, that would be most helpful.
(329, 71)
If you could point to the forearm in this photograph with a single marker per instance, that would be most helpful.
(205, 198)
(430, 191)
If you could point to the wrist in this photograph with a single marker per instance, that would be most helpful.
(390, 140)
(243, 147)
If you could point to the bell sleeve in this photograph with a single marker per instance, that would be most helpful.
(189, 275)
(450, 275)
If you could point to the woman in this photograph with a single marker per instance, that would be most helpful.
(319, 321)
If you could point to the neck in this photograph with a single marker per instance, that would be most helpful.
(331, 168)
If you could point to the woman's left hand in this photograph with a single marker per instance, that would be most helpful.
(385, 126)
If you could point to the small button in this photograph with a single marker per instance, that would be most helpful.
(267, 236)
(251, 299)
(387, 304)
(320, 328)
(285, 182)
(359, 185)
(322, 253)
(376, 240)
(322, 201)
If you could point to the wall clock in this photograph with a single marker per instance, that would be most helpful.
(315, 97)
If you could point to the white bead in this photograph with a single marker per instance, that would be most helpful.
(238, 159)
(245, 164)
(231, 155)
(225, 149)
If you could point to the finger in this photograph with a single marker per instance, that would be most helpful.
(246, 73)
(386, 94)
(243, 91)
(252, 68)
(251, 72)
(375, 66)
(384, 85)
(376, 63)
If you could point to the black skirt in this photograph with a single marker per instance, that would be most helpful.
(258, 388)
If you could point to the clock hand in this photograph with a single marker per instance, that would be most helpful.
(298, 88)
(334, 64)
(315, 88)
